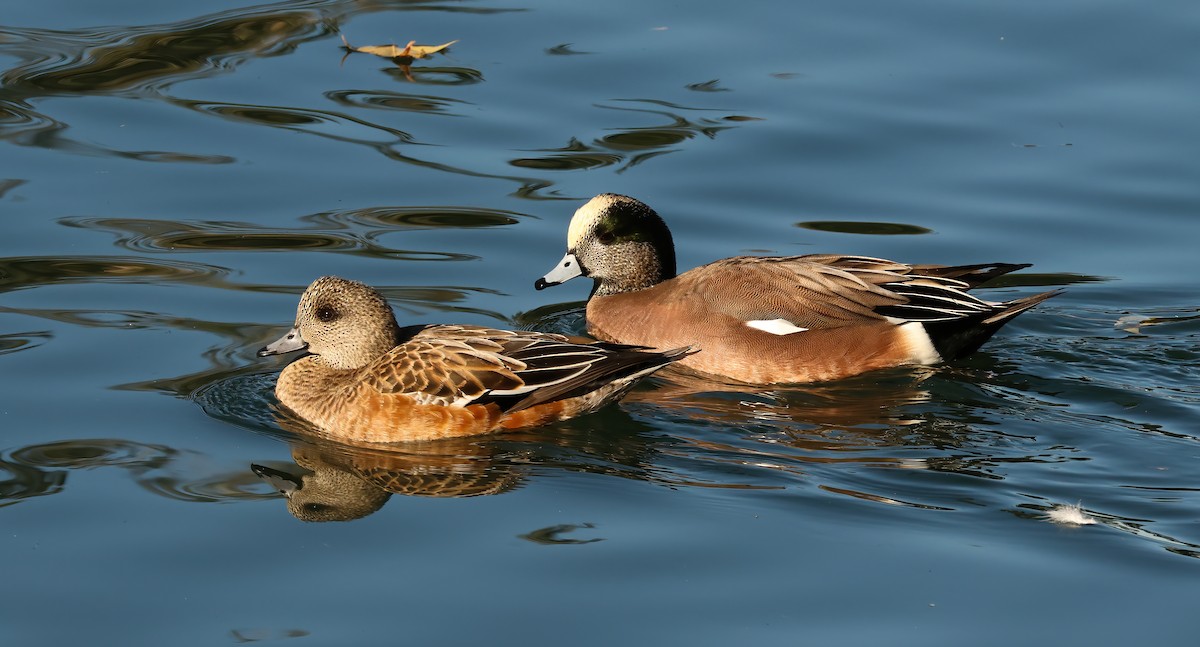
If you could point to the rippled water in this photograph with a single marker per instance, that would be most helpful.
(172, 176)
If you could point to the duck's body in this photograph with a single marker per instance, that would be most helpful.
(770, 320)
(370, 381)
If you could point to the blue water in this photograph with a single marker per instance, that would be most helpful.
(173, 175)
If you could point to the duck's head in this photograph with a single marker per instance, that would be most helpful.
(619, 242)
(346, 324)
(324, 493)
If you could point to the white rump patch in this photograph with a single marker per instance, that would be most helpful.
(919, 344)
(776, 326)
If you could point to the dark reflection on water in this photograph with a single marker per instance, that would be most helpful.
(553, 535)
(43, 469)
(337, 483)
(398, 101)
(13, 342)
(353, 230)
(142, 59)
(564, 49)
(316, 122)
(9, 185)
(868, 228)
(1044, 279)
(712, 85)
(342, 232)
(20, 481)
(137, 62)
(627, 147)
(20, 273)
(442, 75)
(147, 61)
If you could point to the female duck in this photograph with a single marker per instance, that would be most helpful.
(368, 380)
(770, 320)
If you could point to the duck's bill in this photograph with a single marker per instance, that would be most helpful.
(286, 344)
(285, 482)
(567, 269)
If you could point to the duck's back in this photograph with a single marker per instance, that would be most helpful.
(791, 319)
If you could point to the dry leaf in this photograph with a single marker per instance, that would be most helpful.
(411, 50)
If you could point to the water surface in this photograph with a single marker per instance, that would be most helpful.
(173, 176)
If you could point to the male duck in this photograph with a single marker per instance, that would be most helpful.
(780, 319)
(368, 380)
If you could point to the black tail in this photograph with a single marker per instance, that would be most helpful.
(959, 337)
(972, 275)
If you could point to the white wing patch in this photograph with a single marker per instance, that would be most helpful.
(775, 326)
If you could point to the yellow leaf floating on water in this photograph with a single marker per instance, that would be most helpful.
(411, 50)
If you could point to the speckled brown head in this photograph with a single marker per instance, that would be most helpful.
(344, 324)
(617, 241)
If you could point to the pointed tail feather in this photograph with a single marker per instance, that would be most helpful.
(609, 378)
(960, 337)
(972, 275)
(1017, 306)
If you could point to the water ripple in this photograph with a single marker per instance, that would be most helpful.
(397, 101)
(24, 126)
(14, 342)
(627, 147)
(146, 59)
(435, 75)
(867, 228)
(352, 232)
(39, 470)
(24, 272)
(140, 61)
(327, 124)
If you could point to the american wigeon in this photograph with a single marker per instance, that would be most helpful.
(368, 380)
(782, 319)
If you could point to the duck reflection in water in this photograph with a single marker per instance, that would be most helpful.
(331, 480)
(335, 482)
(883, 399)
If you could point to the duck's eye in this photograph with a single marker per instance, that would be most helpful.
(606, 237)
(327, 313)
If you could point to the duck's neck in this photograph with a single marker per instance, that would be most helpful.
(348, 356)
(306, 387)
(636, 267)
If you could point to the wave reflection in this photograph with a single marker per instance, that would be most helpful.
(24, 272)
(398, 101)
(138, 62)
(354, 231)
(39, 470)
(627, 147)
(148, 59)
